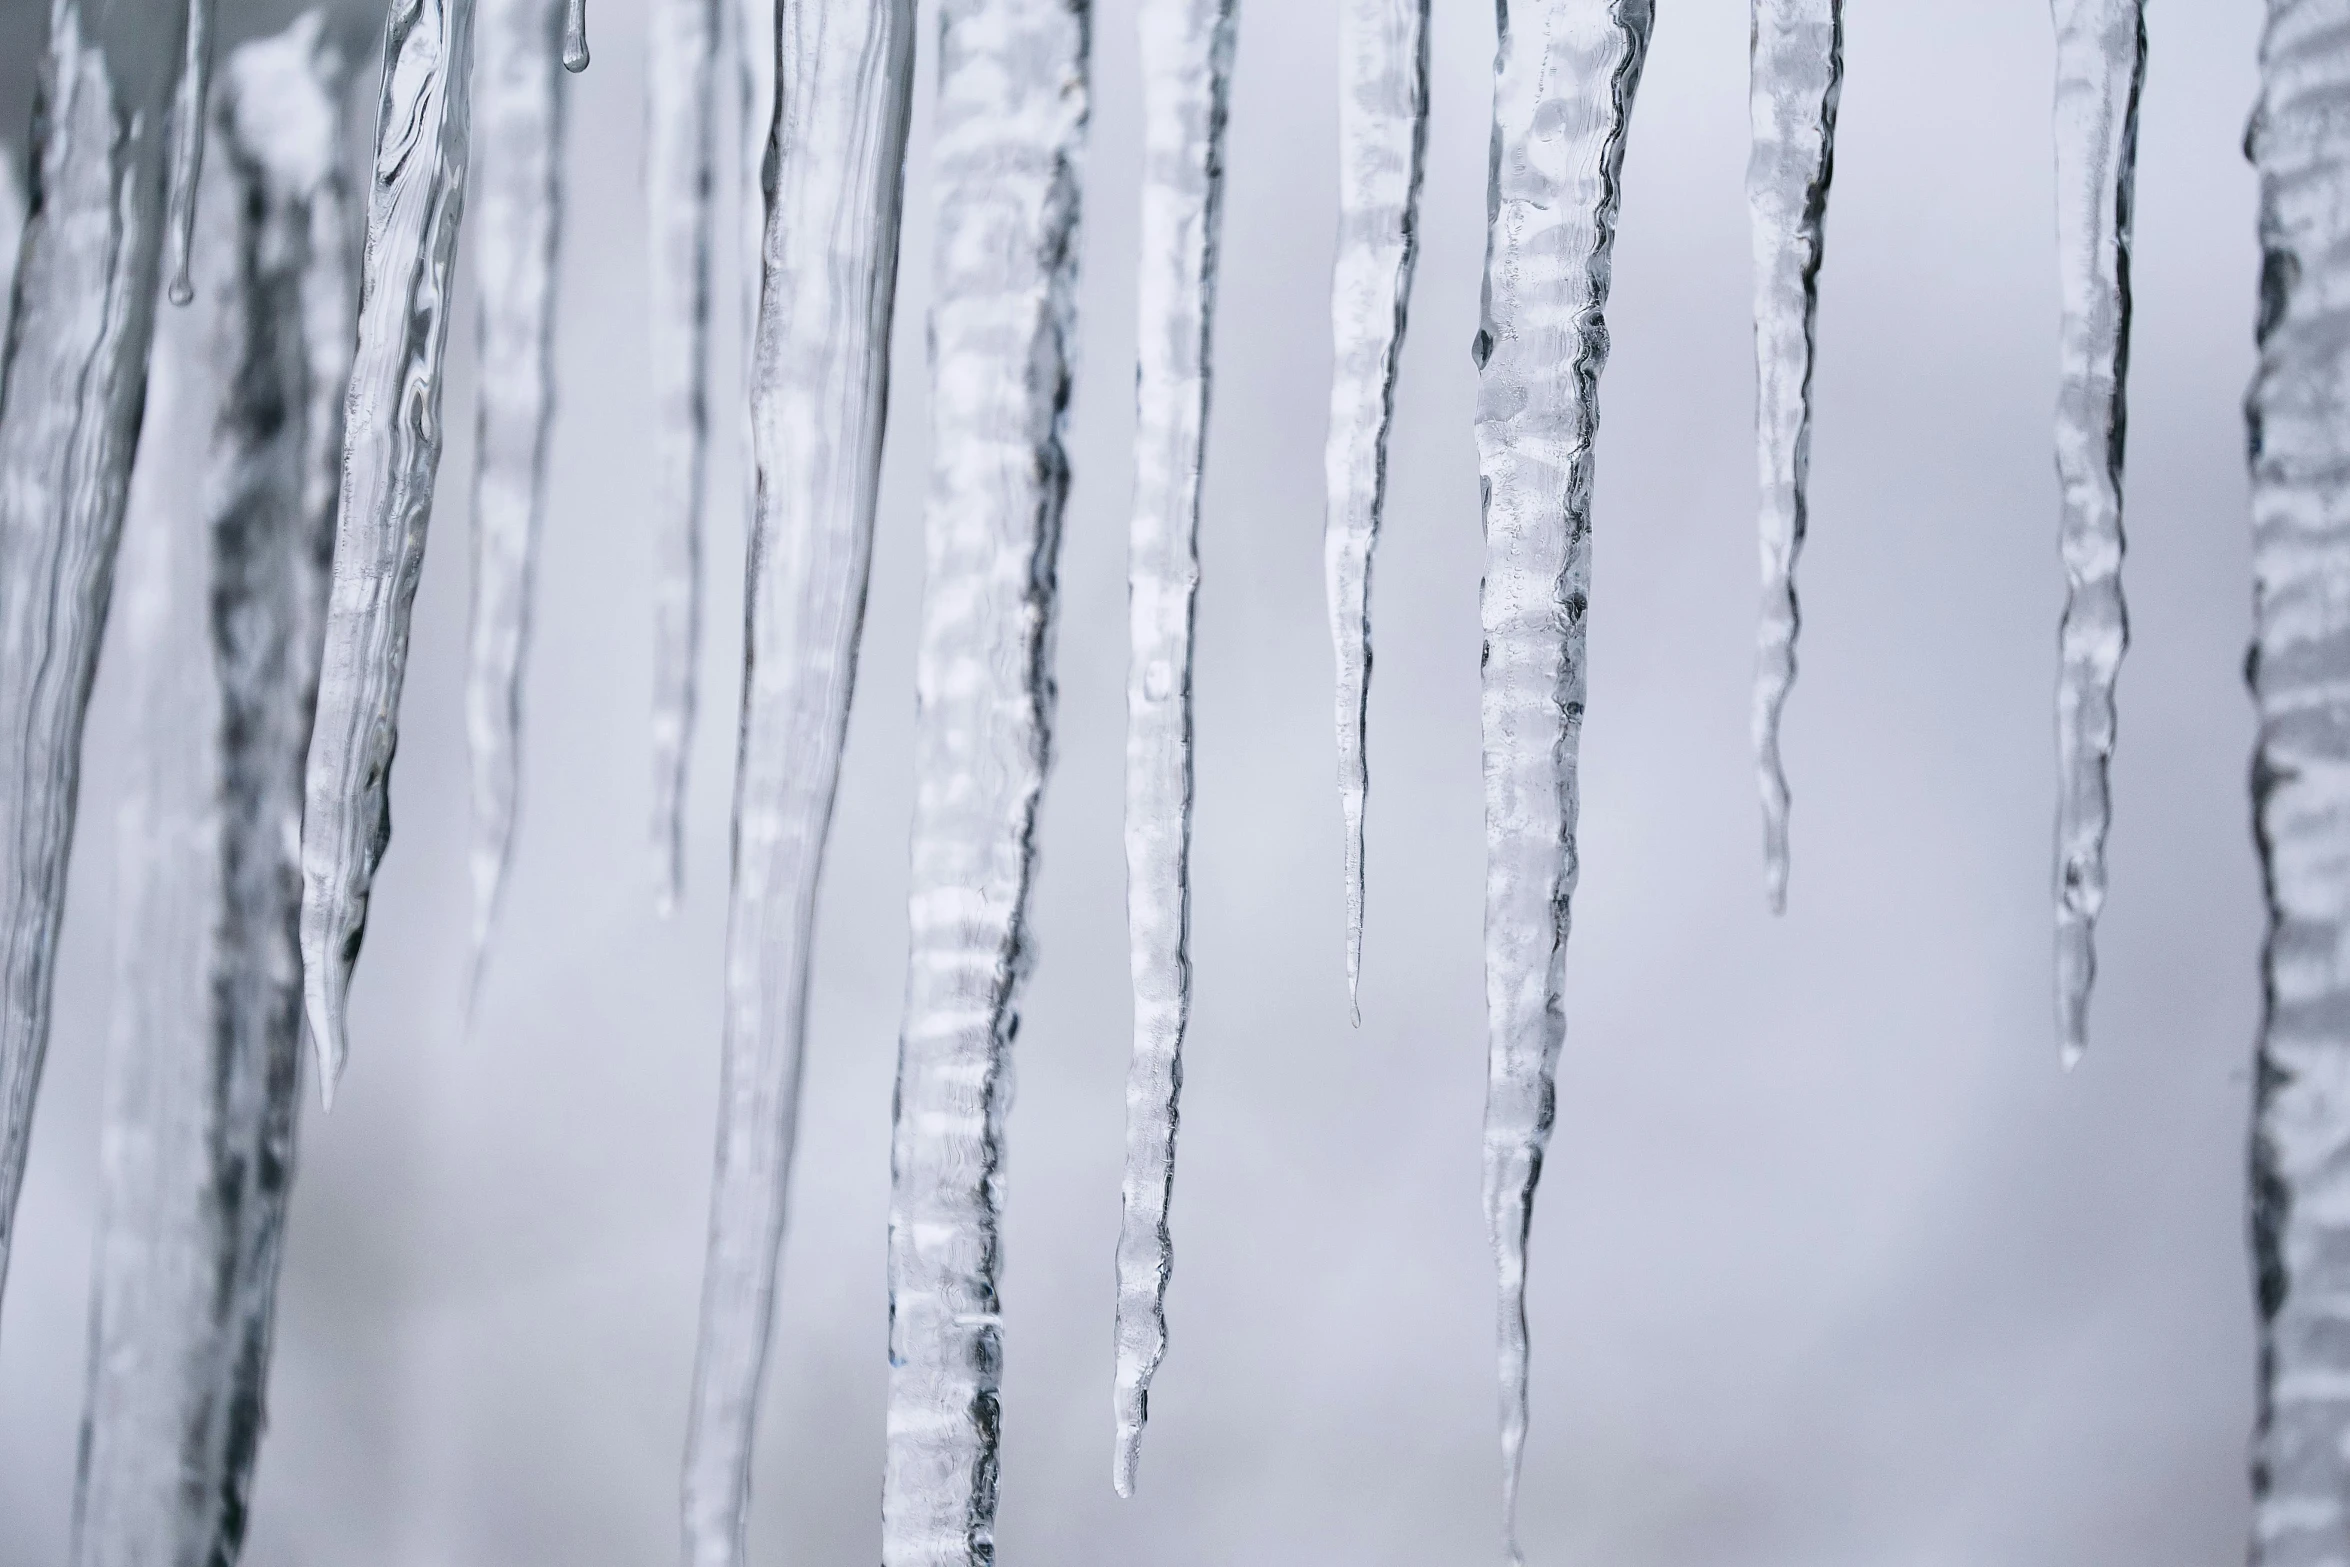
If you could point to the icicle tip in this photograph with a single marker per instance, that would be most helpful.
(575, 46)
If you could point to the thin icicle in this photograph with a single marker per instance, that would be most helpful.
(392, 448)
(75, 383)
(1564, 81)
(185, 161)
(1187, 73)
(681, 131)
(12, 216)
(575, 48)
(224, 598)
(2300, 676)
(837, 162)
(2100, 64)
(517, 226)
(1797, 75)
(1382, 146)
(1011, 120)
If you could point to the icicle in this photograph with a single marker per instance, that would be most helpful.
(186, 158)
(1011, 120)
(1382, 145)
(75, 383)
(681, 126)
(1797, 76)
(2100, 62)
(575, 49)
(224, 601)
(12, 216)
(517, 227)
(837, 155)
(2300, 676)
(1187, 70)
(392, 447)
(1564, 81)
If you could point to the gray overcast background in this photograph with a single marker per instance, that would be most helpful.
(1832, 1265)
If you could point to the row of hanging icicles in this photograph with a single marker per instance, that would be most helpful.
(315, 383)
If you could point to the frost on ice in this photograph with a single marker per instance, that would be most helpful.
(1797, 76)
(1564, 83)
(223, 604)
(820, 385)
(1382, 145)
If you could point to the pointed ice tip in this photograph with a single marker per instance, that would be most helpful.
(182, 291)
(1128, 1458)
(2070, 1053)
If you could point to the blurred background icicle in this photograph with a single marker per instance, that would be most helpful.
(1797, 76)
(681, 122)
(517, 233)
(820, 391)
(2300, 674)
(185, 161)
(75, 383)
(1012, 102)
(223, 601)
(2100, 65)
(1382, 145)
(392, 450)
(1564, 81)
(1187, 79)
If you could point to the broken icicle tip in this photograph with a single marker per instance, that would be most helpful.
(575, 49)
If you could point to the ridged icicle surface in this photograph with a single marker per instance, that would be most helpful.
(1563, 89)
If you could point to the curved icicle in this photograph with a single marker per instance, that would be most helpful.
(2300, 677)
(392, 447)
(1797, 77)
(74, 385)
(517, 232)
(1564, 81)
(1010, 123)
(681, 130)
(1382, 147)
(223, 619)
(837, 157)
(2100, 64)
(185, 160)
(1187, 71)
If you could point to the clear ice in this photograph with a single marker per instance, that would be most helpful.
(575, 48)
(2300, 676)
(1797, 76)
(517, 228)
(836, 161)
(75, 384)
(2100, 64)
(1012, 100)
(1382, 146)
(1564, 81)
(223, 599)
(1187, 72)
(392, 448)
(185, 160)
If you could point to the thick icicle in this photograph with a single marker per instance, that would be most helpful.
(75, 383)
(2100, 62)
(517, 225)
(681, 130)
(1563, 86)
(836, 158)
(1382, 145)
(2300, 676)
(186, 157)
(1187, 71)
(1797, 74)
(392, 446)
(575, 48)
(224, 596)
(1011, 120)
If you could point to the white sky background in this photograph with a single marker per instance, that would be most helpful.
(1832, 1265)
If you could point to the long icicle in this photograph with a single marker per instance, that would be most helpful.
(1012, 101)
(75, 382)
(2300, 677)
(184, 162)
(2100, 64)
(836, 162)
(392, 449)
(1797, 75)
(517, 232)
(1564, 81)
(681, 131)
(1187, 71)
(203, 1088)
(1382, 147)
